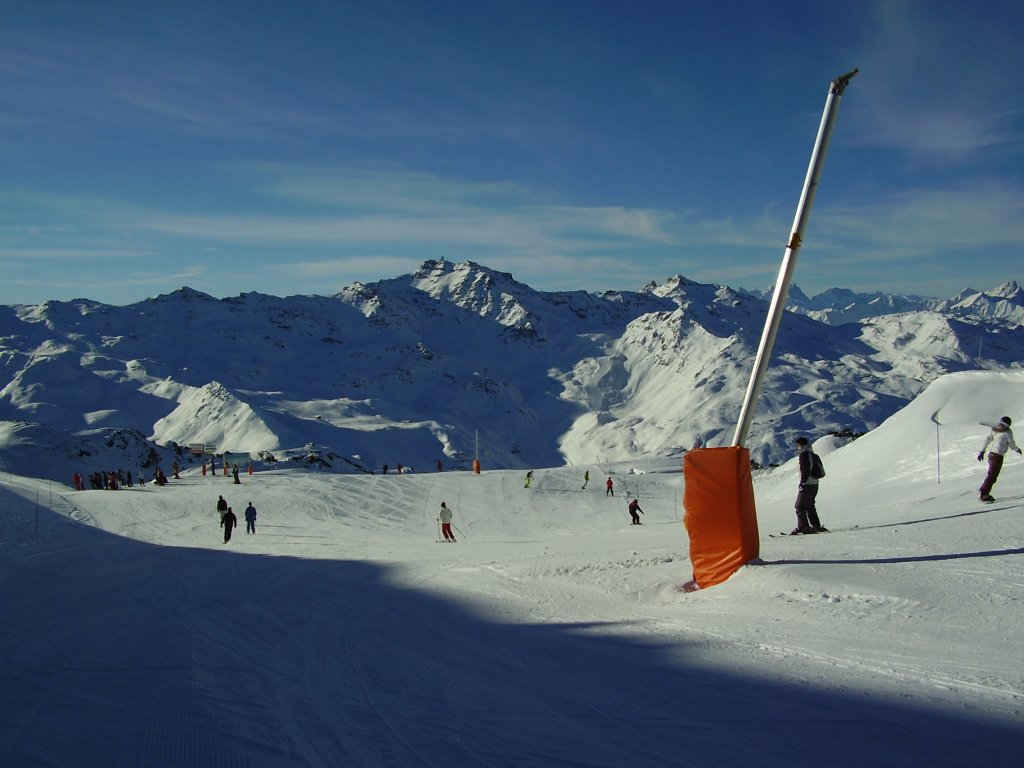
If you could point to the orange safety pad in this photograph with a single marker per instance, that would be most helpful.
(719, 512)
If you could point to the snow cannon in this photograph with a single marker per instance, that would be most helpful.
(719, 513)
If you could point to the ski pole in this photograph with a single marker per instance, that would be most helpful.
(459, 530)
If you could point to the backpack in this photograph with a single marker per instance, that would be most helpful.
(817, 468)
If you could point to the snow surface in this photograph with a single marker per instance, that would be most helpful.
(552, 634)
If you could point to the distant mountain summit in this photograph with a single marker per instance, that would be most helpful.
(840, 305)
(457, 361)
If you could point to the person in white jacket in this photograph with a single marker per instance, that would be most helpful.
(445, 517)
(1001, 440)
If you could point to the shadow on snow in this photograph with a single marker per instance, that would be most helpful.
(122, 653)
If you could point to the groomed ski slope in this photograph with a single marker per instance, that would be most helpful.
(552, 634)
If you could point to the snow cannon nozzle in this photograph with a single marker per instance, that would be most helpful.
(840, 83)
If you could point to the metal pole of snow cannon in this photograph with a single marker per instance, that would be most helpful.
(803, 213)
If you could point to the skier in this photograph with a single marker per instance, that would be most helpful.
(634, 507)
(806, 512)
(1001, 440)
(228, 522)
(445, 517)
(222, 507)
(529, 479)
(609, 487)
(234, 474)
(586, 479)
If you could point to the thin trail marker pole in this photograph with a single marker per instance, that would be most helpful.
(938, 468)
(803, 213)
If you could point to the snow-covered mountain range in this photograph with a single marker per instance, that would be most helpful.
(457, 361)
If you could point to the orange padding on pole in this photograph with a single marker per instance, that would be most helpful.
(719, 516)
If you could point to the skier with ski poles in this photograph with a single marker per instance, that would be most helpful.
(445, 518)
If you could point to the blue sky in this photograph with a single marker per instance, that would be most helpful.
(294, 147)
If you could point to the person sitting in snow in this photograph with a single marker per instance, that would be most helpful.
(1001, 440)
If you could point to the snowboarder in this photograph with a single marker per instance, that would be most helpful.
(250, 518)
(228, 522)
(1001, 440)
(445, 517)
(222, 507)
(529, 479)
(609, 487)
(806, 512)
(634, 507)
(586, 479)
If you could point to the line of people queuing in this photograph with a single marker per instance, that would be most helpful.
(114, 479)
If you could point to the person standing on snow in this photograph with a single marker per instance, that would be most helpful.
(445, 517)
(250, 518)
(222, 507)
(806, 511)
(529, 479)
(586, 479)
(1001, 440)
(609, 487)
(634, 507)
(228, 522)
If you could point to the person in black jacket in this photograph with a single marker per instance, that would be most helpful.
(806, 510)
(228, 522)
(634, 507)
(250, 518)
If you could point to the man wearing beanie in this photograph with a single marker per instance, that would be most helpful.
(1001, 440)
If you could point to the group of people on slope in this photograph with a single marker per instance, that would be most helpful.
(228, 520)
(998, 441)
